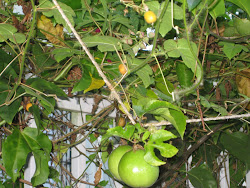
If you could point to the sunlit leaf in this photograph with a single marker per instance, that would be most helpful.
(161, 135)
(95, 84)
(150, 156)
(157, 140)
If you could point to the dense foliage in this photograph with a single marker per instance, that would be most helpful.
(191, 63)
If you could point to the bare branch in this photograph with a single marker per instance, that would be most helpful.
(199, 120)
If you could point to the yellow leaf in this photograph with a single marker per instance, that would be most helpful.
(53, 34)
(126, 104)
(95, 84)
(243, 83)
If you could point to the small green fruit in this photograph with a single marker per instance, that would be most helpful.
(115, 158)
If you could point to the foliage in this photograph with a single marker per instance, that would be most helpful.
(193, 62)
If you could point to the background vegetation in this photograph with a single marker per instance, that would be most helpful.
(192, 63)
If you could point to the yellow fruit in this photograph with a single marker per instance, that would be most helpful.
(28, 106)
(122, 69)
(122, 121)
(150, 17)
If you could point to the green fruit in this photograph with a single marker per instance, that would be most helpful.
(135, 171)
(115, 158)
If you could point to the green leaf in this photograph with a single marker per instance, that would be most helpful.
(171, 48)
(45, 86)
(8, 31)
(153, 6)
(192, 4)
(202, 177)
(166, 24)
(8, 112)
(166, 150)
(104, 43)
(76, 4)
(175, 117)
(14, 154)
(237, 144)
(157, 140)
(150, 156)
(151, 105)
(218, 9)
(161, 135)
(42, 168)
(160, 85)
(231, 49)
(62, 53)
(144, 73)
(242, 26)
(188, 57)
(126, 132)
(243, 4)
(50, 10)
(146, 135)
(43, 100)
(181, 47)
(83, 84)
(184, 74)
(34, 109)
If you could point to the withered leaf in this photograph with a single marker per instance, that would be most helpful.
(98, 175)
(243, 83)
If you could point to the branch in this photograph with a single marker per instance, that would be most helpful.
(110, 86)
(199, 120)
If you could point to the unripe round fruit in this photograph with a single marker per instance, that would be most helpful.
(115, 158)
(122, 69)
(135, 171)
(150, 17)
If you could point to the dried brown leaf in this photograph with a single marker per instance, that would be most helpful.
(98, 175)
(54, 34)
(243, 83)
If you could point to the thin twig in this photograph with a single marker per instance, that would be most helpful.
(110, 86)
(199, 120)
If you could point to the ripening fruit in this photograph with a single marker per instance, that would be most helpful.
(135, 171)
(114, 159)
(150, 17)
(122, 69)
(28, 106)
(122, 121)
